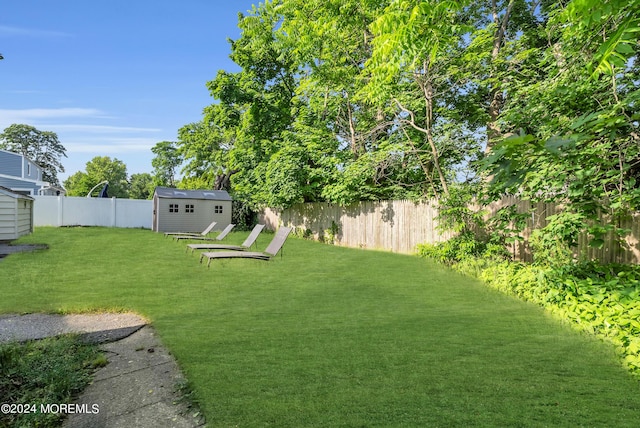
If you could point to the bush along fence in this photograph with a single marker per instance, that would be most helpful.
(600, 299)
(399, 226)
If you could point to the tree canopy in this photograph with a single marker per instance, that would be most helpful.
(349, 100)
(165, 163)
(98, 169)
(42, 147)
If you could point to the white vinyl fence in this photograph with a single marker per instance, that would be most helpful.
(77, 211)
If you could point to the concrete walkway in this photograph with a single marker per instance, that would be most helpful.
(139, 387)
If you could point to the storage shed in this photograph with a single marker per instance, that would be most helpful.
(178, 210)
(16, 214)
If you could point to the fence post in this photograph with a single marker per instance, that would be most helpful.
(113, 211)
(60, 210)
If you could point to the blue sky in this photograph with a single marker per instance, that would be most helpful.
(112, 78)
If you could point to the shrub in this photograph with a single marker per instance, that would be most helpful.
(600, 299)
(463, 247)
(242, 215)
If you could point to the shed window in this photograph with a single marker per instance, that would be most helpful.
(173, 208)
(188, 208)
(217, 209)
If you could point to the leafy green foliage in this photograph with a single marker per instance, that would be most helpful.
(302, 122)
(574, 123)
(100, 168)
(601, 299)
(48, 371)
(242, 215)
(165, 163)
(142, 186)
(42, 147)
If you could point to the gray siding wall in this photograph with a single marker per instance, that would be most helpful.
(7, 218)
(25, 217)
(203, 214)
(16, 184)
(10, 164)
(31, 170)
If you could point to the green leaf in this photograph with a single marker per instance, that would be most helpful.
(556, 144)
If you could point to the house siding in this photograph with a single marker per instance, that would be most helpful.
(20, 174)
(10, 163)
(19, 185)
(7, 218)
(30, 170)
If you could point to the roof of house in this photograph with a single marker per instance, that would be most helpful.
(11, 193)
(216, 195)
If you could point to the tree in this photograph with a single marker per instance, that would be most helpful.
(206, 148)
(165, 163)
(141, 186)
(351, 152)
(100, 168)
(347, 100)
(42, 147)
(575, 121)
(411, 67)
(234, 142)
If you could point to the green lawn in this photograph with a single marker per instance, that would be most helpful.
(329, 336)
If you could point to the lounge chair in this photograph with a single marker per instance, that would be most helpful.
(272, 249)
(220, 236)
(203, 233)
(251, 239)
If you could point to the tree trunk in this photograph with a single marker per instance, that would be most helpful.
(497, 99)
(223, 181)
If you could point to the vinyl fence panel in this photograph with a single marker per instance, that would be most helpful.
(77, 211)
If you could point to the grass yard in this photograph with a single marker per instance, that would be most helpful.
(330, 336)
(47, 371)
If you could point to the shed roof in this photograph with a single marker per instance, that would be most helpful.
(215, 195)
(11, 193)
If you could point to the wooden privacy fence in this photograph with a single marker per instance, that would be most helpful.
(399, 226)
(610, 252)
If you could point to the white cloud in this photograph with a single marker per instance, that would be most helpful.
(101, 146)
(83, 137)
(6, 30)
(102, 128)
(9, 116)
(42, 116)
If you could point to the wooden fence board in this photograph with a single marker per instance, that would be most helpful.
(399, 226)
